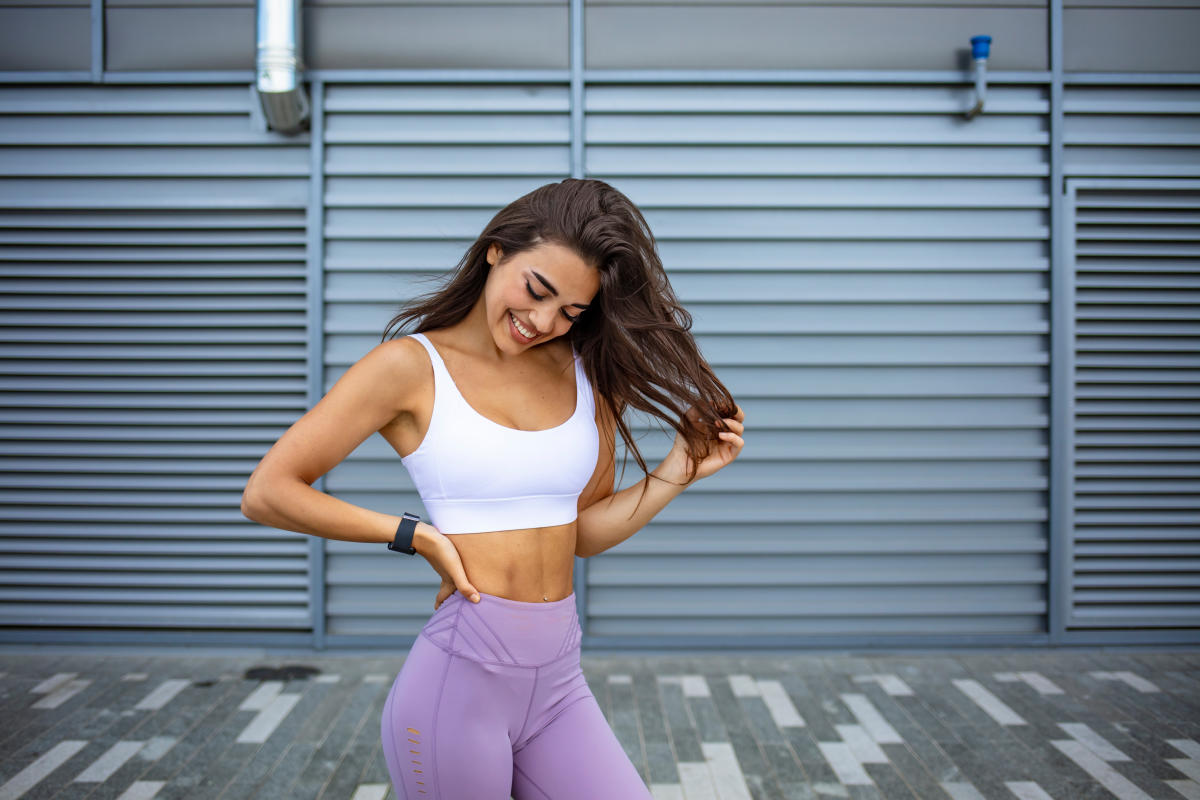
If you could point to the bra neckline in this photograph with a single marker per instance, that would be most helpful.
(489, 420)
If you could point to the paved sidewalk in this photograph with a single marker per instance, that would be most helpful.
(1078, 724)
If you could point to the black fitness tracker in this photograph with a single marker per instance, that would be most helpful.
(404, 535)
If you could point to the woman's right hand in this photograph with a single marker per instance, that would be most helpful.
(443, 556)
(445, 590)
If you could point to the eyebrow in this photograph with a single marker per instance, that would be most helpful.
(553, 291)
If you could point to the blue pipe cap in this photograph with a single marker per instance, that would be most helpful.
(980, 45)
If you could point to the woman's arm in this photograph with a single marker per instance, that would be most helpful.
(607, 519)
(373, 391)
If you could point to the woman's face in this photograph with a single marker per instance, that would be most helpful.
(531, 297)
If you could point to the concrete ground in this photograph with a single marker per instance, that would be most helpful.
(1071, 724)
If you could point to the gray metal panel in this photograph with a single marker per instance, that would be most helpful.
(1131, 37)
(153, 348)
(45, 35)
(1136, 547)
(196, 36)
(413, 173)
(868, 274)
(810, 35)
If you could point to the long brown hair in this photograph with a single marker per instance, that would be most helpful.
(634, 338)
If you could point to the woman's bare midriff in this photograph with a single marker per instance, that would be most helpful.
(533, 566)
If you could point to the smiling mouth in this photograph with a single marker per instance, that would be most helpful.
(521, 329)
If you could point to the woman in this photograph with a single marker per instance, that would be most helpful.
(503, 405)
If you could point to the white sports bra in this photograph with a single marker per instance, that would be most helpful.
(474, 474)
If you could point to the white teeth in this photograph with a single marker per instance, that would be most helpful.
(523, 330)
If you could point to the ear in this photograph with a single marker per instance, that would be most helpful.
(494, 254)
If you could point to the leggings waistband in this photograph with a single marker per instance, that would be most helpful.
(498, 630)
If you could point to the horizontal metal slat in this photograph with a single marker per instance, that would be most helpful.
(227, 596)
(171, 580)
(166, 616)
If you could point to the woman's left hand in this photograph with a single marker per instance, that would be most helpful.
(724, 450)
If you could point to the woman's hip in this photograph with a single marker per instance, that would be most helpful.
(505, 632)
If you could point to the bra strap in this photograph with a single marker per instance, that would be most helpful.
(443, 384)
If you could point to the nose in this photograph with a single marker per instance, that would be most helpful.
(542, 319)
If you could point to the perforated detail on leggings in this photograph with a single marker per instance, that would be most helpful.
(416, 762)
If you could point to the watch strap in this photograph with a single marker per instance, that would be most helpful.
(403, 542)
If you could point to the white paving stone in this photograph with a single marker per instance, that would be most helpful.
(870, 718)
(961, 790)
(895, 686)
(162, 694)
(334, 679)
(1040, 683)
(666, 791)
(743, 686)
(1094, 741)
(33, 774)
(620, 678)
(861, 744)
(695, 686)
(845, 765)
(142, 790)
(63, 693)
(136, 676)
(697, 781)
(1099, 769)
(1188, 766)
(1027, 790)
(375, 677)
(156, 748)
(1186, 746)
(1189, 789)
(112, 760)
(783, 711)
(993, 706)
(267, 720)
(370, 791)
(53, 682)
(892, 684)
(1136, 681)
(726, 771)
(262, 697)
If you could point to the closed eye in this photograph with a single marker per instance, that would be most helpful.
(537, 296)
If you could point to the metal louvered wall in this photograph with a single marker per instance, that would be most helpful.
(1132, 244)
(872, 287)
(152, 271)
(868, 275)
(1136, 541)
(868, 272)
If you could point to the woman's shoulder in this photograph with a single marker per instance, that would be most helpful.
(400, 362)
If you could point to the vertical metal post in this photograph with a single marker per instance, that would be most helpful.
(315, 292)
(97, 41)
(575, 34)
(1062, 334)
(576, 54)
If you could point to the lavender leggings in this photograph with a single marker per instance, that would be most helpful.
(492, 702)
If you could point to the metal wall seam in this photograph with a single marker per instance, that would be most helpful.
(97, 23)
(1061, 336)
(579, 578)
(316, 334)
